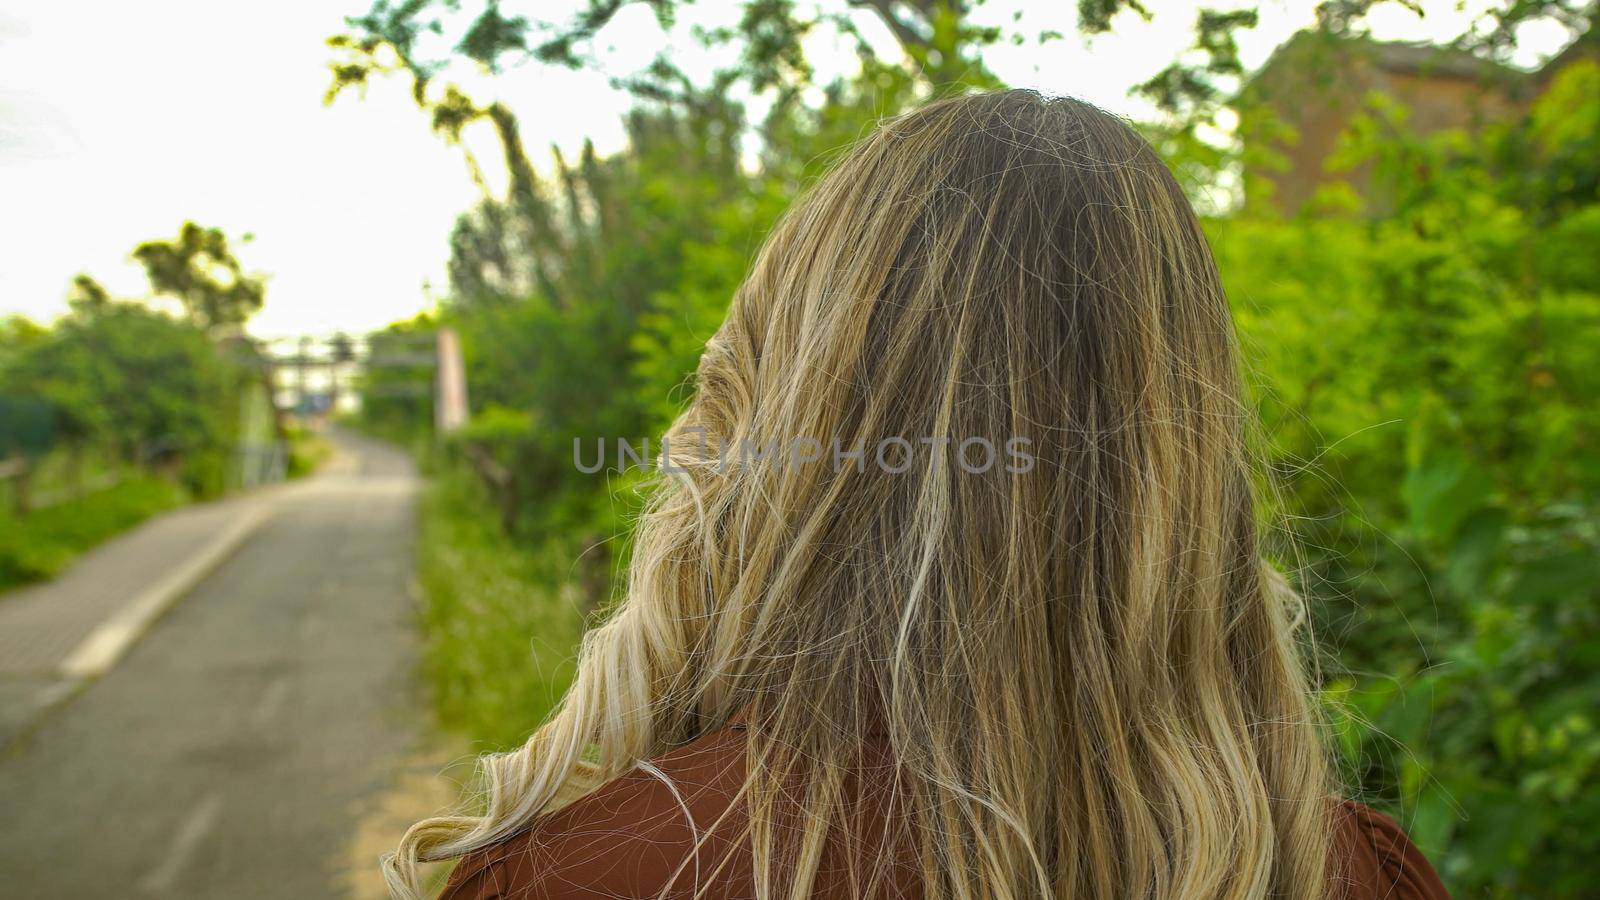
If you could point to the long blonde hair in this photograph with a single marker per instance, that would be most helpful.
(1084, 670)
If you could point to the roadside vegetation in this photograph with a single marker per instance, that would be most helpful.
(39, 545)
(1423, 355)
(123, 408)
(500, 639)
(308, 449)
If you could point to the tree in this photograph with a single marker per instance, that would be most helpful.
(154, 389)
(87, 295)
(199, 270)
(940, 39)
(151, 388)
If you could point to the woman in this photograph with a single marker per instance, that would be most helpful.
(856, 661)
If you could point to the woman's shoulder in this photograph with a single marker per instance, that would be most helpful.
(669, 822)
(673, 822)
(1377, 861)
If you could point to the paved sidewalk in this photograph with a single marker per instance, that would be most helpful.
(266, 737)
(56, 633)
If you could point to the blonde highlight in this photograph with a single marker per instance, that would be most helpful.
(1087, 676)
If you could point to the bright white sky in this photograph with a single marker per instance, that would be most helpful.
(117, 125)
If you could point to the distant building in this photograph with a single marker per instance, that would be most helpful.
(1315, 83)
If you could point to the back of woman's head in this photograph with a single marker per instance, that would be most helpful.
(967, 470)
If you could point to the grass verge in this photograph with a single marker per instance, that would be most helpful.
(308, 449)
(500, 632)
(40, 544)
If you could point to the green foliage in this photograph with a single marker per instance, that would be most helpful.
(397, 383)
(500, 630)
(308, 450)
(153, 400)
(1426, 379)
(941, 39)
(1551, 163)
(25, 427)
(199, 270)
(156, 390)
(41, 544)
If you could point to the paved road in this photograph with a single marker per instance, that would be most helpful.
(235, 749)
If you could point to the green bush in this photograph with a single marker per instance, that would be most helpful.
(1426, 379)
(155, 391)
(308, 449)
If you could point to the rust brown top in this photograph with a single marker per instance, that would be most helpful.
(630, 838)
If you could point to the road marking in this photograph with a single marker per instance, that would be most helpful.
(105, 645)
(194, 828)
